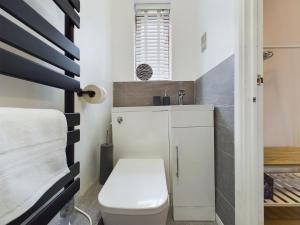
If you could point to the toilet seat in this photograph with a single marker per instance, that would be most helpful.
(135, 187)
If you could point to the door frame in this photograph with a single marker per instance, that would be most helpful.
(249, 208)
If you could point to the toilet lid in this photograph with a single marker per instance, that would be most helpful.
(135, 187)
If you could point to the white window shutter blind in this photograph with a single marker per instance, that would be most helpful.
(152, 41)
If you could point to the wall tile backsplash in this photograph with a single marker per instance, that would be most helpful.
(217, 88)
(140, 93)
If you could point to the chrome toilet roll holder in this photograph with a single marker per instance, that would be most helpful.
(91, 94)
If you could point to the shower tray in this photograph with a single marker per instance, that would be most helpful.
(286, 190)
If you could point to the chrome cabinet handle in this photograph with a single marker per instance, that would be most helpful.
(177, 161)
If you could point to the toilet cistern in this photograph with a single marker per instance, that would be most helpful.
(181, 94)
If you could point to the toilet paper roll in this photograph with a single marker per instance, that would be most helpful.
(100, 94)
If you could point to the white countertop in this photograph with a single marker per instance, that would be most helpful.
(164, 108)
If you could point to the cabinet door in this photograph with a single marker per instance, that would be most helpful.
(193, 166)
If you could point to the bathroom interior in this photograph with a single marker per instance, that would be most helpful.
(281, 110)
(149, 115)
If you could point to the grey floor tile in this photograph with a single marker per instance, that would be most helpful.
(88, 203)
(190, 223)
(203, 223)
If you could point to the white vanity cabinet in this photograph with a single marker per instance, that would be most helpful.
(192, 164)
(184, 137)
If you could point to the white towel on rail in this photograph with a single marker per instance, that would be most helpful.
(32, 157)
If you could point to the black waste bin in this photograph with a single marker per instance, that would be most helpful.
(106, 162)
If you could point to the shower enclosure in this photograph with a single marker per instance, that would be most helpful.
(281, 111)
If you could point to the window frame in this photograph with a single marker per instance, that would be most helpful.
(157, 6)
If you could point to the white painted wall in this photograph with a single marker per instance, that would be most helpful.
(185, 39)
(281, 73)
(94, 41)
(217, 18)
(122, 15)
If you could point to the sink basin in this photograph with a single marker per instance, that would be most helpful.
(191, 107)
(164, 108)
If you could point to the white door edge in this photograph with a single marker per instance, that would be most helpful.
(248, 142)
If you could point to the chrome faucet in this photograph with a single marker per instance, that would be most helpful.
(181, 93)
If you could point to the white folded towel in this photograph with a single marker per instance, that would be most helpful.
(32, 157)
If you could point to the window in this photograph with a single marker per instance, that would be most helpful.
(152, 40)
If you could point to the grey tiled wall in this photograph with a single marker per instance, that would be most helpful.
(217, 87)
(141, 93)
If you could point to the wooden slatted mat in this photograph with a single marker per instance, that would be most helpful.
(286, 190)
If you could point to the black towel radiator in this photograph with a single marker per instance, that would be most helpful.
(14, 65)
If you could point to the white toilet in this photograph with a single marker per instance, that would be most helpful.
(135, 193)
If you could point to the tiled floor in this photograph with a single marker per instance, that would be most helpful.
(89, 203)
